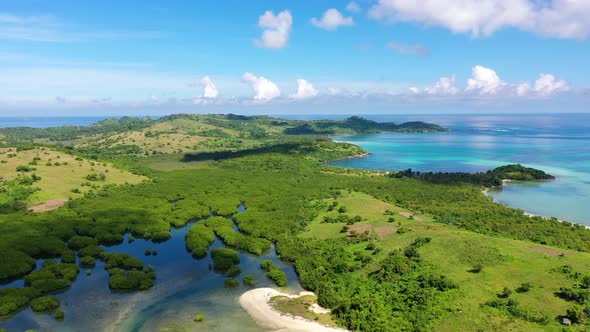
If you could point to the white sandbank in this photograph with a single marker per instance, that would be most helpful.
(255, 302)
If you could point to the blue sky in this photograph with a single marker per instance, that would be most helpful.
(367, 56)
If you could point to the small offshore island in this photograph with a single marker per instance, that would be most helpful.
(252, 202)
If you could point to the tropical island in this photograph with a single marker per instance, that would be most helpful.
(381, 250)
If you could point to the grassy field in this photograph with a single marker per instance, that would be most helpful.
(175, 136)
(372, 212)
(60, 173)
(455, 253)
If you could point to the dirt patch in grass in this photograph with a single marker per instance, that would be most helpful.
(409, 215)
(546, 251)
(359, 229)
(384, 232)
(49, 205)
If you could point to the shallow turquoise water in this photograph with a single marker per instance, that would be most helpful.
(558, 144)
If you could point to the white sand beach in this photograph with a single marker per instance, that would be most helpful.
(256, 303)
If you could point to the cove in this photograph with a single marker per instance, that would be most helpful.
(559, 145)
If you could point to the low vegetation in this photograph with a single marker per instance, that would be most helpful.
(383, 252)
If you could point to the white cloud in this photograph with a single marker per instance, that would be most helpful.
(523, 88)
(484, 81)
(409, 49)
(276, 29)
(552, 18)
(304, 90)
(353, 7)
(331, 20)
(264, 89)
(444, 86)
(547, 85)
(209, 88)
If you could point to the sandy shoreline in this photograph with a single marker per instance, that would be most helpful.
(255, 302)
(526, 213)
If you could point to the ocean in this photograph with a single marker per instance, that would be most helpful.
(558, 144)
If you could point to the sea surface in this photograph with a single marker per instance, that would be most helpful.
(558, 144)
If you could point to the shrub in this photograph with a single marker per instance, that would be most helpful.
(525, 287)
(231, 282)
(87, 261)
(224, 259)
(199, 318)
(59, 314)
(45, 303)
(278, 276)
(249, 280)
(198, 239)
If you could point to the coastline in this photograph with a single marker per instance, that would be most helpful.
(356, 156)
(505, 182)
(256, 303)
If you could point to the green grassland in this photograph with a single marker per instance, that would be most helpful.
(454, 252)
(60, 172)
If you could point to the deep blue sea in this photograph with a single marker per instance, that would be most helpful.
(558, 144)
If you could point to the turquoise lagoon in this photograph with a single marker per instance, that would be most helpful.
(558, 144)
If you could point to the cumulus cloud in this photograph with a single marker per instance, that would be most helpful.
(353, 7)
(304, 90)
(484, 81)
(546, 85)
(331, 20)
(552, 18)
(209, 88)
(445, 86)
(416, 49)
(264, 89)
(276, 29)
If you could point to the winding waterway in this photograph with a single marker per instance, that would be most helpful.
(184, 287)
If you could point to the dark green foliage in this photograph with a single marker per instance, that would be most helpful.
(224, 259)
(491, 178)
(506, 292)
(68, 256)
(45, 303)
(525, 287)
(198, 239)
(78, 242)
(59, 314)
(514, 309)
(574, 294)
(13, 299)
(14, 263)
(123, 261)
(317, 150)
(234, 271)
(120, 279)
(87, 261)
(249, 280)
(91, 250)
(278, 277)
(231, 282)
(274, 273)
(358, 125)
(52, 277)
(224, 229)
